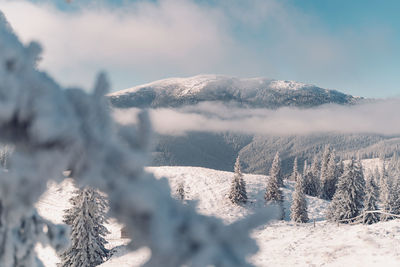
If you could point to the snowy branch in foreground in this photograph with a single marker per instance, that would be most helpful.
(53, 130)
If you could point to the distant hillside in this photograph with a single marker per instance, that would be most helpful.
(253, 93)
(219, 151)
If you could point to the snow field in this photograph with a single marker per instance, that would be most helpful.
(282, 243)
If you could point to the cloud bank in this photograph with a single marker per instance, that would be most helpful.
(380, 117)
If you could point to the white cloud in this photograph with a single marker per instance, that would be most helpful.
(378, 117)
(142, 37)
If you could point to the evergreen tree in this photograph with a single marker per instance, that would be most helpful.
(238, 192)
(383, 177)
(295, 172)
(377, 176)
(306, 177)
(370, 201)
(315, 181)
(324, 169)
(309, 181)
(315, 166)
(299, 205)
(306, 167)
(330, 178)
(348, 199)
(384, 195)
(339, 169)
(393, 167)
(275, 170)
(273, 194)
(86, 218)
(394, 197)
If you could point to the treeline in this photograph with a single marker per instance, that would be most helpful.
(352, 191)
(219, 150)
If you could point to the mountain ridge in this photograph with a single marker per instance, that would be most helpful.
(243, 92)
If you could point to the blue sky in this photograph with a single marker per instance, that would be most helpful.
(352, 46)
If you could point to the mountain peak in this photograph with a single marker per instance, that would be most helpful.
(185, 85)
(248, 92)
(288, 85)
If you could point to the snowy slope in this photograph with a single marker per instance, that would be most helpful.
(285, 244)
(211, 188)
(281, 243)
(252, 92)
(186, 86)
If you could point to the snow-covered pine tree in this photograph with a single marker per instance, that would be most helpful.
(383, 177)
(86, 217)
(309, 188)
(330, 178)
(348, 199)
(309, 181)
(273, 195)
(339, 169)
(377, 176)
(360, 182)
(315, 166)
(324, 168)
(395, 197)
(298, 210)
(306, 167)
(295, 171)
(238, 192)
(370, 201)
(315, 181)
(393, 167)
(384, 195)
(275, 170)
(306, 178)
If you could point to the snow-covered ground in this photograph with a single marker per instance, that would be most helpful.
(281, 243)
(211, 187)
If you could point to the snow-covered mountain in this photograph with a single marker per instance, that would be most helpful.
(252, 92)
(219, 150)
(281, 243)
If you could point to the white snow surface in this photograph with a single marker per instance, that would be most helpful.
(193, 85)
(282, 243)
(186, 85)
(287, 85)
